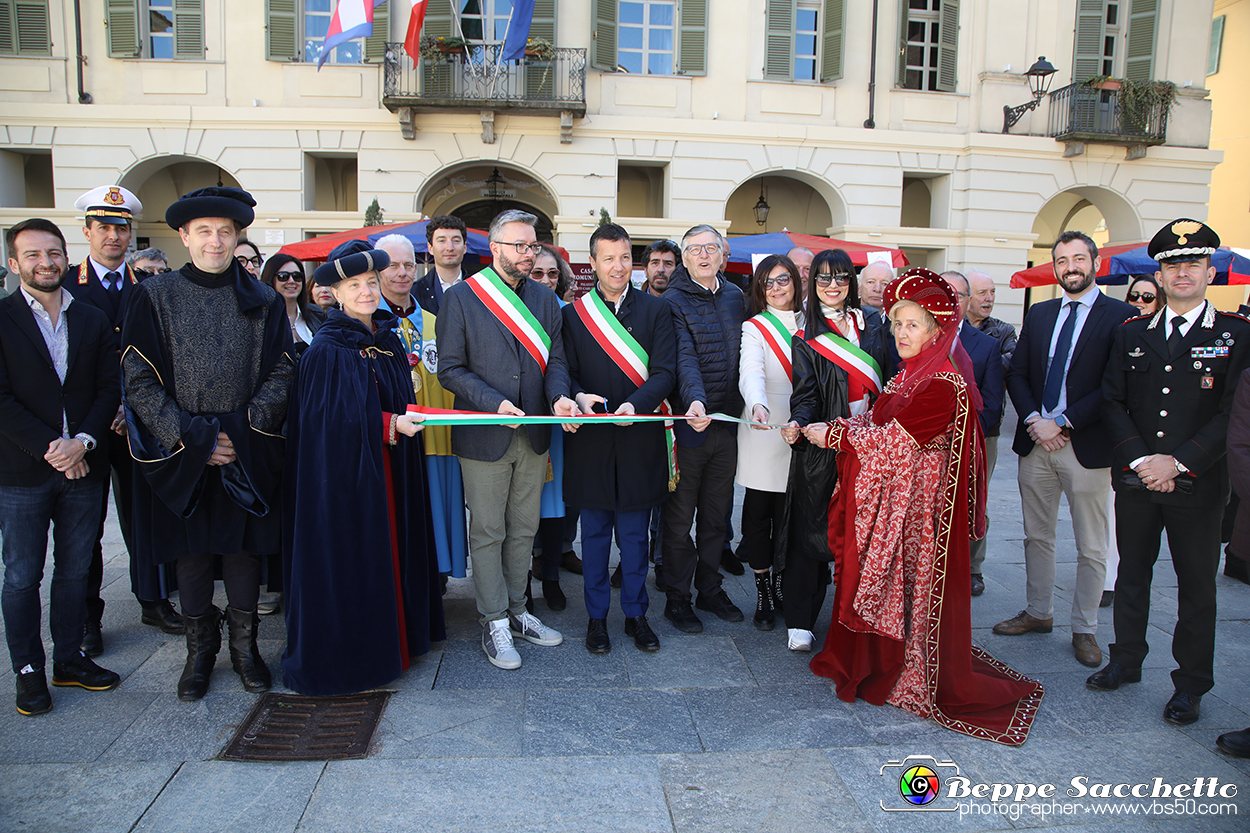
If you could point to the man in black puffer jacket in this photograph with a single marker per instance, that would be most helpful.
(707, 315)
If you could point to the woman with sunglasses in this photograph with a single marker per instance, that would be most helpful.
(1145, 293)
(776, 310)
(286, 275)
(837, 373)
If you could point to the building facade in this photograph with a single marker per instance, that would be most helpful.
(664, 113)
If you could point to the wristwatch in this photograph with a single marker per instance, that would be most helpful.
(87, 441)
(1181, 468)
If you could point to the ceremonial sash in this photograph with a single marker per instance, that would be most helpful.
(776, 336)
(861, 366)
(623, 349)
(507, 307)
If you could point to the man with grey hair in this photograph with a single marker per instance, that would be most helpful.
(980, 305)
(494, 359)
(148, 262)
(802, 257)
(397, 280)
(873, 279)
(707, 315)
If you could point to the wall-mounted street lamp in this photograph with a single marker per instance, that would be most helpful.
(761, 207)
(1039, 82)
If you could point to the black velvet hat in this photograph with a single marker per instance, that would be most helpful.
(215, 201)
(355, 257)
(1183, 239)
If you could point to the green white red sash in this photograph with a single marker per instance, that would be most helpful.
(862, 367)
(776, 336)
(506, 305)
(625, 351)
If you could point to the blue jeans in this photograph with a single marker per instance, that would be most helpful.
(73, 508)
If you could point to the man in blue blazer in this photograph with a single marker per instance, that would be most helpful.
(489, 367)
(987, 366)
(1055, 382)
(446, 238)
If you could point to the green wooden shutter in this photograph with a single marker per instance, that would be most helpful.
(1090, 30)
(900, 72)
(282, 40)
(540, 76)
(603, 40)
(833, 26)
(33, 34)
(1217, 43)
(122, 19)
(948, 45)
(7, 32)
(375, 44)
(436, 76)
(1139, 55)
(779, 40)
(692, 43)
(189, 29)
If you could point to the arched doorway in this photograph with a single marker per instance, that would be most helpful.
(158, 182)
(477, 191)
(797, 201)
(480, 214)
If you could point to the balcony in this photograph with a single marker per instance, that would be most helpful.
(475, 80)
(1080, 114)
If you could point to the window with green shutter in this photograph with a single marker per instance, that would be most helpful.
(1139, 50)
(24, 28)
(375, 44)
(436, 76)
(1087, 53)
(833, 25)
(928, 50)
(603, 38)
(779, 40)
(803, 40)
(160, 29)
(296, 29)
(692, 37)
(540, 78)
(649, 37)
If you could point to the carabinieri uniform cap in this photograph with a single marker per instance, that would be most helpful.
(1183, 239)
(214, 201)
(355, 257)
(110, 204)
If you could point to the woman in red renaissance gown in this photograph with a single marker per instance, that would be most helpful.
(910, 496)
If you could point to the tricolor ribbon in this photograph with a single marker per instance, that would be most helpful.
(447, 416)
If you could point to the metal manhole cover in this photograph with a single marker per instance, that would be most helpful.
(290, 727)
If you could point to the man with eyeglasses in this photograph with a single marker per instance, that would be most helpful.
(707, 316)
(105, 281)
(447, 239)
(501, 351)
(148, 262)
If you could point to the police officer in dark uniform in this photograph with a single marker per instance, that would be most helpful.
(103, 281)
(1169, 389)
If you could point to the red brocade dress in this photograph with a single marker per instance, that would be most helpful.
(899, 527)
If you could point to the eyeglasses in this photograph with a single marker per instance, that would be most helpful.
(1144, 297)
(146, 273)
(290, 277)
(539, 274)
(825, 278)
(244, 261)
(706, 248)
(782, 281)
(523, 248)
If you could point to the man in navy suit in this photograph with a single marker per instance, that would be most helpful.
(104, 281)
(447, 238)
(988, 368)
(1055, 381)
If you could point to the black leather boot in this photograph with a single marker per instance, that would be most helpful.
(203, 643)
(778, 601)
(765, 617)
(244, 655)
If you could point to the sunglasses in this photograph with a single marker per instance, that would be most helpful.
(824, 279)
(1144, 297)
(244, 261)
(782, 281)
(539, 274)
(144, 273)
(289, 277)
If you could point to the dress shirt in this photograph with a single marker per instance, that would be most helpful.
(56, 337)
(1085, 305)
(1189, 319)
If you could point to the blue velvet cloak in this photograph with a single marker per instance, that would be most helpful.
(342, 611)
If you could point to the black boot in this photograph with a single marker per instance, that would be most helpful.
(778, 607)
(244, 655)
(765, 618)
(203, 643)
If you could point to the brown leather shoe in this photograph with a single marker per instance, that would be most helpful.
(1086, 649)
(1023, 623)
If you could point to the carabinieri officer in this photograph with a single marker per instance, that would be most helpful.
(1169, 389)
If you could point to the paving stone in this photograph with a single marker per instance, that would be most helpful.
(219, 796)
(81, 725)
(749, 791)
(171, 730)
(689, 662)
(105, 797)
(451, 724)
(770, 661)
(464, 665)
(161, 671)
(608, 722)
(618, 794)
(808, 716)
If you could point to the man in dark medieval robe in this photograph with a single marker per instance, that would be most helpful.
(207, 367)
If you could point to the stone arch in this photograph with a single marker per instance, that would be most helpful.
(1102, 213)
(158, 181)
(799, 201)
(458, 189)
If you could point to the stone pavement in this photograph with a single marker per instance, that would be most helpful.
(724, 731)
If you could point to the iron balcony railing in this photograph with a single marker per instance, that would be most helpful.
(1089, 114)
(473, 78)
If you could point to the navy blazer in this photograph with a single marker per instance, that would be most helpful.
(429, 292)
(85, 286)
(987, 366)
(482, 364)
(32, 396)
(1026, 378)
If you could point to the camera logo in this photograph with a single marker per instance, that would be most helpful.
(918, 779)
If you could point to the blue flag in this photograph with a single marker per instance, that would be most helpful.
(518, 30)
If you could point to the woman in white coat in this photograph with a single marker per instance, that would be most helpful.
(776, 314)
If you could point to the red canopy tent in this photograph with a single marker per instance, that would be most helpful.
(319, 248)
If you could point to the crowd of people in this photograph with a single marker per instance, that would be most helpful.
(266, 428)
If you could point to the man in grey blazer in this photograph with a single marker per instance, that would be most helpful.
(489, 368)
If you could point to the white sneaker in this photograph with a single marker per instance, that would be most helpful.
(497, 643)
(800, 640)
(530, 629)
